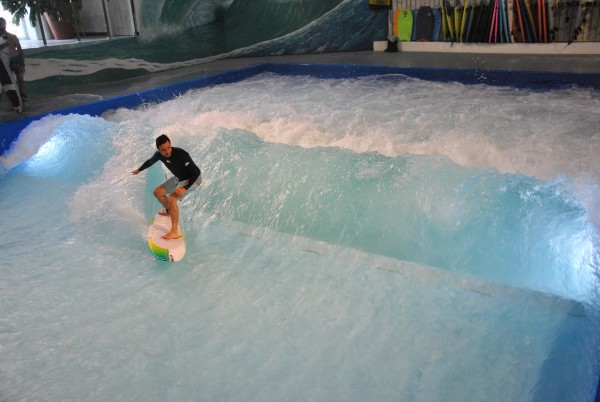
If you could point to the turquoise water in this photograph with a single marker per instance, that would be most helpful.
(381, 238)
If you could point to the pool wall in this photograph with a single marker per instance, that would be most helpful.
(521, 79)
(201, 30)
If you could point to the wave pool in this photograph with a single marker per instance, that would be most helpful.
(378, 238)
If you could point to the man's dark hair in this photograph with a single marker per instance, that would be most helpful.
(161, 140)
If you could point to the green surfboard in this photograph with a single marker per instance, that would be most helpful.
(405, 25)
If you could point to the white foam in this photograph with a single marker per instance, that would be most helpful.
(539, 134)
(30, 140)
(498, 128)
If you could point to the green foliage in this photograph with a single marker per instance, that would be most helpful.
(60, 10)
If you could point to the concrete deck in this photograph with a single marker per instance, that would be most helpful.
(511, 62)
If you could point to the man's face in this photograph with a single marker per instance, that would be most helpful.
(165, 149)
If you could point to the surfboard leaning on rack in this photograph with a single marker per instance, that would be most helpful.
(405, 25)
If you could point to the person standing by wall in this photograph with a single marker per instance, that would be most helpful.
(17, 57)
(7, 78)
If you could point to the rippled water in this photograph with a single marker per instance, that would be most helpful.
(381, 238)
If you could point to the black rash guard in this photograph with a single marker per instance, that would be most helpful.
(179, 163)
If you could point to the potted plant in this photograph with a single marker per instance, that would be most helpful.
(60, 14)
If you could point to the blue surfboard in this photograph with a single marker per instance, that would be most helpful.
(437, 24)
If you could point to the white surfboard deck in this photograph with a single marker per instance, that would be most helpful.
(167, 250)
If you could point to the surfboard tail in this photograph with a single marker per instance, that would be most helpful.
(159, 252)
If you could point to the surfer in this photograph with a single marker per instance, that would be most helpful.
(7, 81)
(187, 176)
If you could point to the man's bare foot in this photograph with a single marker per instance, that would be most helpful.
(171, 236)
(164, 212)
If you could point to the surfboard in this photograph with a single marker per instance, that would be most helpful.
(530, 21)
(555, 17)
(511, 22)
(519, 20)
(595, 22)
(502, 22)
(542, 20)
(445, 33)
(448, 16)
(166, 250)
(458, 12)
(437, 24)
(472, 8)
(425, 24)
(463, 23)
(405, 25)
(413, 36)
(395, 26)
(494, 27)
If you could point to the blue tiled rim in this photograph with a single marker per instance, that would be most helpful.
(10, 131)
